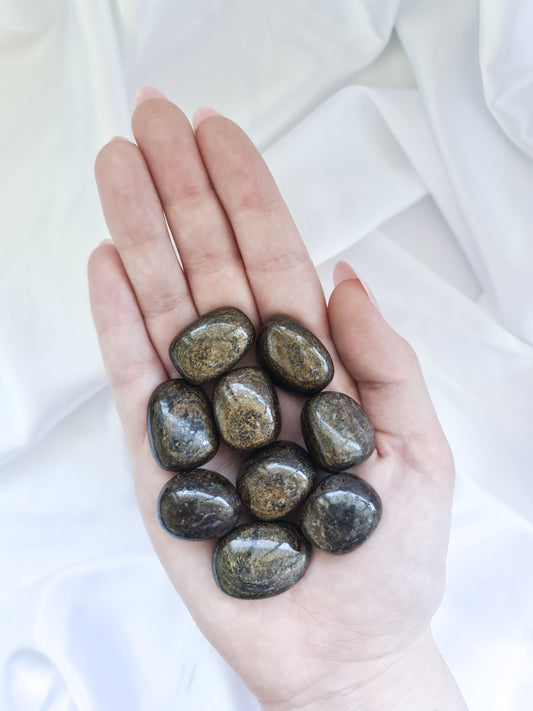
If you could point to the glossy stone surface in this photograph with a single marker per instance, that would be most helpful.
(246, 409)
(212, 344)
(337, 431)
(274, 480)
(258, 560)
(294, 357)
(341, 513)
(181, 429)
(198, 505)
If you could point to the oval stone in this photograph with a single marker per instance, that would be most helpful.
(258, 560)
(246, 409)
(198, 505)
(341, 513)
(181, 429)
(274, 480)
(293, 356)
(212, 345)
(337, 431)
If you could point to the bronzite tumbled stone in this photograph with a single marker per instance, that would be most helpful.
(246, 409)
(265, 557)
(275, 479)
(181, 429)
(198, 505)
(337, 431)
(258, 560)
(341, 513)
(294, 357)
(212, 345)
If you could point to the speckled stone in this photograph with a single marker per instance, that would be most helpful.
(337, 431)
(181, 429)
(212, 345)
(258, 560)
(198, 505)
(341, 513)
(246, 409)
(293, 356)
(274, 480)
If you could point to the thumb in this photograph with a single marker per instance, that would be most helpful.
(382, 363)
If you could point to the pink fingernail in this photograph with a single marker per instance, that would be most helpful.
(106, 241)
(119, 138)
(146, 93)
(343, 271)
(201, 114)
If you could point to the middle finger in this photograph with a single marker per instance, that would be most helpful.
(201, 230)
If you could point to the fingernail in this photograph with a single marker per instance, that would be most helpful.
(146, 93)
(201, 114)
(343, 272)
(106, 241)
(119, 138)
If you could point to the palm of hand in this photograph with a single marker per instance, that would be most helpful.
(238, 245)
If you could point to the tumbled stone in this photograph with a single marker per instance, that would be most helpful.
(274, 480)
(246, 409)
(181, 429)
(341, 513)
(198, 505)
(212, 345)
(258, 560)
(337, 431)
(293, 356)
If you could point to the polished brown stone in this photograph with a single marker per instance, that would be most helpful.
(246, 409)
(212, 345)
(181, 429)
(341, 513)
(258, 560)
(294, 357)
(337, 431)
(198, 505)
(275, 479)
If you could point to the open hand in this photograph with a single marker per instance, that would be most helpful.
(356, 627)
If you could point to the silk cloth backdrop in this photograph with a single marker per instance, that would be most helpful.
(400, 134)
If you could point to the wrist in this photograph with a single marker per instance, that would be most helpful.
(414, 679)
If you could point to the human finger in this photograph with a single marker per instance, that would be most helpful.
(388, 375)
(137, 225)
(201, 230)
(132, 363)
(279, 269)
(134, 370)
(278, 265)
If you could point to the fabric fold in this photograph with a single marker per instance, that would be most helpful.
(506, 58)
(400, 135)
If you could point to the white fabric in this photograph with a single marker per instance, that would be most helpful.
(400, 133)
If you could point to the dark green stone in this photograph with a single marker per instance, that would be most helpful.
(212, 344)
(198, 505)
(337, 431)
(341, 513)
(258, 560)
(181, 429)
(274, 480)
(246, 409)
(294, 357)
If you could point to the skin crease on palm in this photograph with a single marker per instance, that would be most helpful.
(356, 628)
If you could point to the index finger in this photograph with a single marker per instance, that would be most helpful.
(277, 263)
(279, 269)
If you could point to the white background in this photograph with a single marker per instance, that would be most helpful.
(401, 134)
